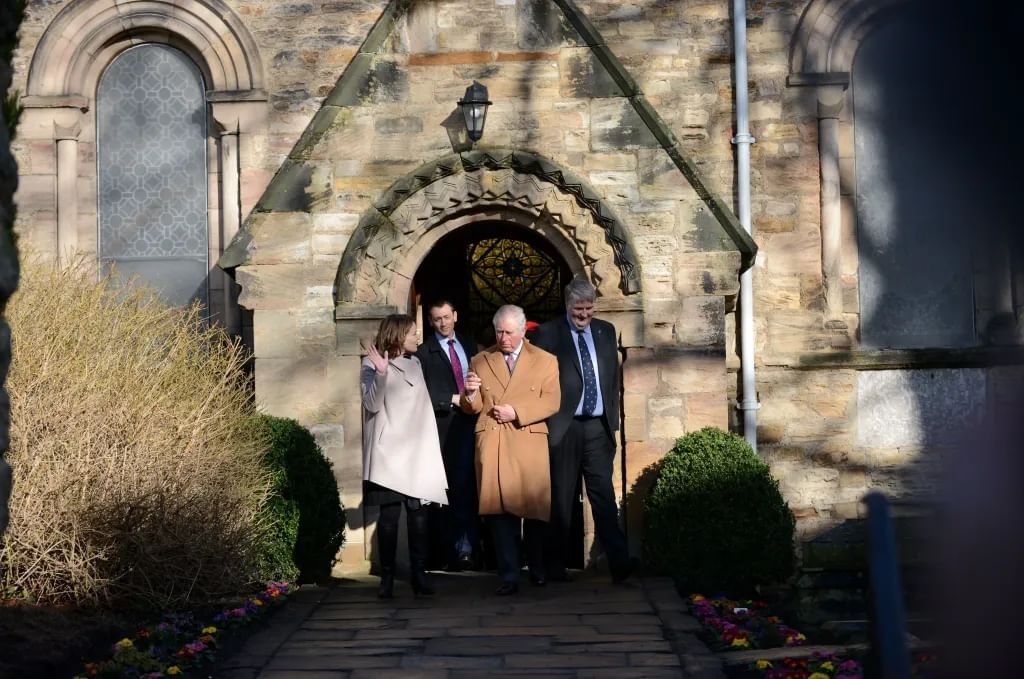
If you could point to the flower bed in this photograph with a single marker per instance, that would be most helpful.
(818, 666)
(179, 642)
(744, 625)
(733, 625)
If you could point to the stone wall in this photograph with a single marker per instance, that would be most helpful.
(553, 97)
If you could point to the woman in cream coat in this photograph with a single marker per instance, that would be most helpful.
(402, 462)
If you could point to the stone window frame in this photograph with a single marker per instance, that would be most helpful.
(81, 42)
(822, 52)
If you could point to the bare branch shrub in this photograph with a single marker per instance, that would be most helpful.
(137, 462)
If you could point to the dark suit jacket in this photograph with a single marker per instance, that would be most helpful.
(555, 337)
(437, 371)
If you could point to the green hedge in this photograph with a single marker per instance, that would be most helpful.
(304, 520)
(715, 518)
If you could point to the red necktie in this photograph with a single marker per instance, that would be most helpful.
(456, 366)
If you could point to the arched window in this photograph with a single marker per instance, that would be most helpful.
(151, 171)
(916, 210)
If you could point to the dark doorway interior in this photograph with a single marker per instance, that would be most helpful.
(488, 264)
(479, 268)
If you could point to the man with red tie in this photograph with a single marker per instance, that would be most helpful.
(444, 356)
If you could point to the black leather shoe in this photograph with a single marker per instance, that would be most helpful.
(465, 562)
(560, 576)
(622, 573)
(507, 588)
(420, 583)
(538, 580)
(387, 585)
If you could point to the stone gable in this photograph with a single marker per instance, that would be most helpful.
(573, 151)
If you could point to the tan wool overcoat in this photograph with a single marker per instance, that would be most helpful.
(512, 468)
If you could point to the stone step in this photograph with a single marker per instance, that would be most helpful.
(848, 551)
(858, 631)
(741, 658)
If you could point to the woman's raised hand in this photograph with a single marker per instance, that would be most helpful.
(379, 362)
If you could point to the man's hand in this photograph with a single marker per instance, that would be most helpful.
(472, 385)
(503, 413)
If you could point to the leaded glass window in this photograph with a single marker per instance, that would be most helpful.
(151, 171)
(512, 271)
(488, 264)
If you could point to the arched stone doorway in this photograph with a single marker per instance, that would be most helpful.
(490, 263)
(479, 267)
(423, 222)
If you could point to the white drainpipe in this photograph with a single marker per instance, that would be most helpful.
(748, 405)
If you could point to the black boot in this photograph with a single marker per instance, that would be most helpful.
(387, 544)
(387, 583)
(419, 546)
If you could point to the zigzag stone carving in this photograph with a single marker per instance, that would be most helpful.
(459, 185)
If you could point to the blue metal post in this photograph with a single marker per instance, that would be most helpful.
(890, 658)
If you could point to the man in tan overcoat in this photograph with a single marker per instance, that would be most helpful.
(513, 386)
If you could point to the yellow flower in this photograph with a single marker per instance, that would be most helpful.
(741, 642)
(124, 643)
(827, 665)
(256, 602)
(818, 675)
(763, 664)
(801, 637)
(173, 670)
(210, 630)
(696, 597)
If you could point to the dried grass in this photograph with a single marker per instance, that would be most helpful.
(138, 475)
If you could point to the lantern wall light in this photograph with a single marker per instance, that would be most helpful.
(474, 109)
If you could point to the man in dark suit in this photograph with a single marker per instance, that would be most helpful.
(445, 356)
(581, 433)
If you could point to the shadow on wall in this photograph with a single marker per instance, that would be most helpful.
(938, 252)
(938, 245)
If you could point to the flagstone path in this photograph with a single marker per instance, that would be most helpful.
(586, 628)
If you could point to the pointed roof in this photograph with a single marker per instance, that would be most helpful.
(286, 190)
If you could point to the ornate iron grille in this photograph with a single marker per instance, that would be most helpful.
(512, 271)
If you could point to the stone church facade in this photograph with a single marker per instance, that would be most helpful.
(295, 165)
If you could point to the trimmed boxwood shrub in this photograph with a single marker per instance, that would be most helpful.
(715, 518)
(303, 518)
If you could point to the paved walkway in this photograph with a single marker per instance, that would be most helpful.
(586, 628)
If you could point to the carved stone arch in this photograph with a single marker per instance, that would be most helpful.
(830, 32)
(85, 36)
(408, 260)
(393, 237)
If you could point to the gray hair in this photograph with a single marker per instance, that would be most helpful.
(513, 312)
(579, 290)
